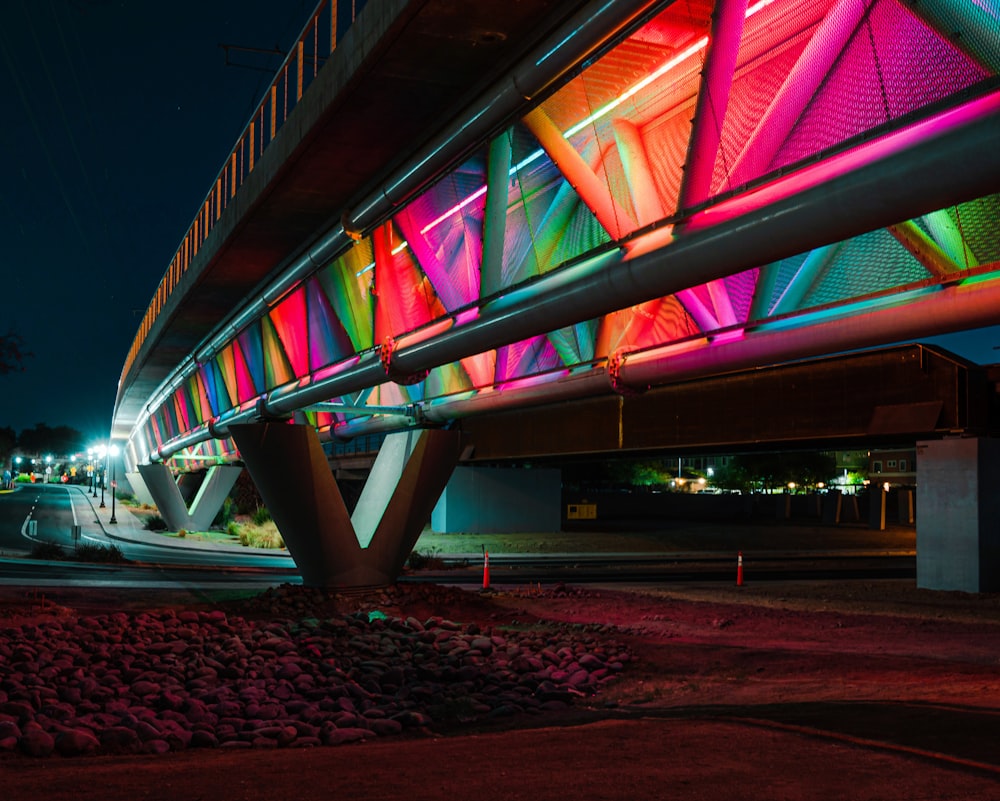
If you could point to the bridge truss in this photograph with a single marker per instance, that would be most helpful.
(723, 186)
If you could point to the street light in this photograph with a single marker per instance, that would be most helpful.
(114, 483)
(101, 453)
(92, 471)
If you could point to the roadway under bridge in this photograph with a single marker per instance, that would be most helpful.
(557, 227)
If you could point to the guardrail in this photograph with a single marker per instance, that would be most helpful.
(313, 46)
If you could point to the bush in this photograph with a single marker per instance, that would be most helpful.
(265, 535)
(261, 516)
(50, 551)
(155, 523)
(100, 553)
(425, 561)
(226, 514)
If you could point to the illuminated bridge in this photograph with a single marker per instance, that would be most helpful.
(445, 213)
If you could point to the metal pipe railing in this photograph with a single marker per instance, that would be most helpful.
(316, 41)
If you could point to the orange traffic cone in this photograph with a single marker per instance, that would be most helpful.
(739, 569)
(486, 569)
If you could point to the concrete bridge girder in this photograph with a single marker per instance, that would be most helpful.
(330, 547)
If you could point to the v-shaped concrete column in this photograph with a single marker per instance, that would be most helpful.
(290, 469)
(170, 501)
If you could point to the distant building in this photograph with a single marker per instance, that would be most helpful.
(897, 468)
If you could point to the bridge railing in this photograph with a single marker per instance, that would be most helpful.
(317, 40)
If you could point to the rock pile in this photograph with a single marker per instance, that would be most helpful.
(162, 681)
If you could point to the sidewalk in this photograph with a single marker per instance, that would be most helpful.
(95, 521)
(676, 540)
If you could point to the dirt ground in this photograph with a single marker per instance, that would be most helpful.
(860, 690)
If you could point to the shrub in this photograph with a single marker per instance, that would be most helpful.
(100, 553)
(261, 516)
(49, 551)
(425, 561)
(265, 535)
(226, 514)
(155, 523)
(182, 533)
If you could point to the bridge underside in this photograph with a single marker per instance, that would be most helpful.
(544, 231)
(679, 195)
(874, 398)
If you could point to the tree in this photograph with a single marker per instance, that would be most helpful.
(60, 441)
(12, 353)
(770, 471)
(8, 441)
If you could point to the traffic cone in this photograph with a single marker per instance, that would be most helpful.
(486, 569)
(739, 569)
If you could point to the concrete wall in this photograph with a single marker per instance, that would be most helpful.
(483, 500)
(958, 528)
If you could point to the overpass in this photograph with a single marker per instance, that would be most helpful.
(438, 216)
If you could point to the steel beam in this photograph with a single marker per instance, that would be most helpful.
(935, 163)
(905, 317)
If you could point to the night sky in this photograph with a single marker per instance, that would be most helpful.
(116, 117)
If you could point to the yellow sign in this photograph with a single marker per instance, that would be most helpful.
(581, 511)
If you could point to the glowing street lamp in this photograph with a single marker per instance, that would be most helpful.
(92, 471)
(114, 454)
(101, 453)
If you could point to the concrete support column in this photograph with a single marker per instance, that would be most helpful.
(139, 488)
(850, 512)
(878, 499)
(907, 514)
(330, 548)
(500, 499)
(958, 534)
(832, 503)
(169, 500)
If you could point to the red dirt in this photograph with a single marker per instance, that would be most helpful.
(857, 690)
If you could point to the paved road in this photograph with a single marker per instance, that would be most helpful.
(37, 513)
(48, 513)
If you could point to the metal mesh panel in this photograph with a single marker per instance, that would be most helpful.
(582, 234)
(977, 222)
(863, 265)
(772, 44)
(666, 143)
(893, 65)
(557, 225)
(851, 100)
(638, 83)
(440, 224)
(740, 288)
(611, 171)
(752, 93)
(973, 25)
(919, 66)
(787, 270)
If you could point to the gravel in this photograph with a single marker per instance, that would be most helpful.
(291, 668)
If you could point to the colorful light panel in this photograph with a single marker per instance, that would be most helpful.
(606, 155)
